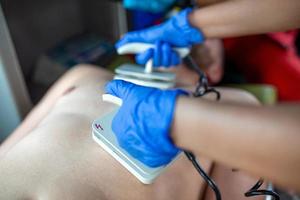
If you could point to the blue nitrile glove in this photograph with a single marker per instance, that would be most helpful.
(162, 55)
(177, 32)
(142, 125)
(154, 6)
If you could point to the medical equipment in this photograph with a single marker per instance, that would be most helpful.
(146, 76)
(104, 136)
(101, 128)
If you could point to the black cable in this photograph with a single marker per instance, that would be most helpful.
(208, 180)
(201, 90)
(255, 191)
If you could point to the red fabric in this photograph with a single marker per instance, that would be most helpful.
(270, 59)
(286, 39)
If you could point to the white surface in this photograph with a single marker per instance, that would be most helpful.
(112, 99)
(156, 84)
(139, 73)
(121, 160)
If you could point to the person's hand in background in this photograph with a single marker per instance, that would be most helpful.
(142, 124)
(176, 32)
(209, 56)
(154, 6)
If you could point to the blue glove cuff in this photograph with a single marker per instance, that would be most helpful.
(191, 34)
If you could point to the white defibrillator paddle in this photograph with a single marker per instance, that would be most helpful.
(104, 136)
(146, 75)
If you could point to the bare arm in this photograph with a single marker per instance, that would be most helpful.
(264, 141)
(244, 17)
(208, 2)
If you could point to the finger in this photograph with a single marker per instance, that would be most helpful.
(118, 88)
(157, 54)
(166, 55)
(135, 36)
(175, 59)
(144, 57)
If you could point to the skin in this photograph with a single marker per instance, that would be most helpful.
(209, 57)
(246, 17)
(280, 165)
(53, 156)
(208, 2)
(264, 141)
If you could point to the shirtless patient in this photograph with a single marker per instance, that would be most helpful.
(52, 155)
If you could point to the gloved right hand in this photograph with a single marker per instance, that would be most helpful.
(176, 32)
(143, 122)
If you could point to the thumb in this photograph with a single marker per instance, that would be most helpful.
(118, 88)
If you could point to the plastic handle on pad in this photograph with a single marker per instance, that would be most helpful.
(137, 47)
(112, 99)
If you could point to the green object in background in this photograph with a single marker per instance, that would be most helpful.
(118, 61)
(266, 94)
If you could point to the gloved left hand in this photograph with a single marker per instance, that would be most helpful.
(176, 32)
(154, 6)
(142, 125)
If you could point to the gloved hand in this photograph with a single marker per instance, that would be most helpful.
(142, 125)
(176, 32)
(154, 6)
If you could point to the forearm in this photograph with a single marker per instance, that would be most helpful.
(262, 141)
(244, 17)
(208, 2)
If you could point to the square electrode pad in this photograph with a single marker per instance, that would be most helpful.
(137, 71)
(147, 83)
(104, 136)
